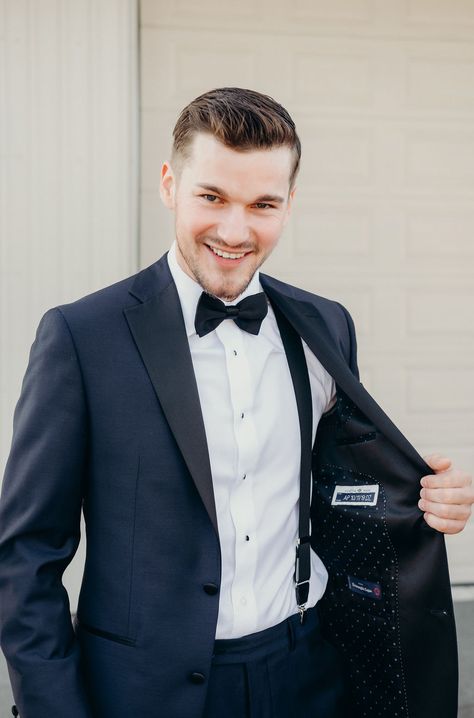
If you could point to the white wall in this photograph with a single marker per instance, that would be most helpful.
(68, 167)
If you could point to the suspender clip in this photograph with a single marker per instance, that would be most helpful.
(301, 610)
(302, 572)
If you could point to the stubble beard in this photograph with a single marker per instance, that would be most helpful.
(227, 290)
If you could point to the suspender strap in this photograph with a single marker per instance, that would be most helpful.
(300, 378)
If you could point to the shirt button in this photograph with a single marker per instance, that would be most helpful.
(247, 538)
(244, 476)
(211, 588)
(243, 601)
(235, 352)
(242, 415)
(197, 678)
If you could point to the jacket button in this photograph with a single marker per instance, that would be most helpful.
(15, 711)
(197, 677)
(211, 588)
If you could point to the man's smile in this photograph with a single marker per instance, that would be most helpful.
(224, 257)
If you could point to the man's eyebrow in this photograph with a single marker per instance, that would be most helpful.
(275, 198)
(212, 188)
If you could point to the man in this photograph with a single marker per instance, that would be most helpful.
(183, 409)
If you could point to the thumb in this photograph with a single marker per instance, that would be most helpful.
(438, 462)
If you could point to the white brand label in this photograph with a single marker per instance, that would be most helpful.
(355, 495)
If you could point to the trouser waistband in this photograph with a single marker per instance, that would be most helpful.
(283, 635)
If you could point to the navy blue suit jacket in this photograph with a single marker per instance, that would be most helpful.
(109, 422)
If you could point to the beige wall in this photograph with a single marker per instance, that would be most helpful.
(383, 96)
(68, 164)
(384, 100)
(68, 169)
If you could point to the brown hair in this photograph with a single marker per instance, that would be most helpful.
(240, 119)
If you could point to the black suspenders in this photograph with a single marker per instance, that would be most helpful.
(300, 377)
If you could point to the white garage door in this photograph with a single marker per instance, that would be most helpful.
(383, 97)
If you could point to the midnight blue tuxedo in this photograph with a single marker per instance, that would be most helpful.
(109, 421)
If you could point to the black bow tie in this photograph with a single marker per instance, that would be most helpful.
(248, 314)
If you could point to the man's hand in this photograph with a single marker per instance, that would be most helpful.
(446, 496)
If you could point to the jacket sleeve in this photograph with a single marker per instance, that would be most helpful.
(40, 508)
(352, 348)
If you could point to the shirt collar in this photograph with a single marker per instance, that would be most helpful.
(189, 291)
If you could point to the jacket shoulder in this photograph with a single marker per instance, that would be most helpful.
(336, 317)
(113, 295)
(112, 299)
(329, 308)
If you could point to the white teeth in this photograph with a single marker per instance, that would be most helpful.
(226, 255)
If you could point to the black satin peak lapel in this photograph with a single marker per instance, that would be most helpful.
(158, 329)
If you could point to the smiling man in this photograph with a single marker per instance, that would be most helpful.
(257, 546)
(231, 208)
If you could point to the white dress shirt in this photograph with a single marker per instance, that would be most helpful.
(252, 428)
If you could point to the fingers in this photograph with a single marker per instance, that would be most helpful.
(453, 512)
(446, 526)
(438, 462)
(449, 479)
(448, 496)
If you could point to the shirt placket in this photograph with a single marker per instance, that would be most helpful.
(241, 499)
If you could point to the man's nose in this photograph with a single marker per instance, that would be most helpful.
(234, 228)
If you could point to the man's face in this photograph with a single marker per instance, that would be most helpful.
(227, 203)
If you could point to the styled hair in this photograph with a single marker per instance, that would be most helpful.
(241, 119)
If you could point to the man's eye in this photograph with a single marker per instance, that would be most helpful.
(263, 205)
(209, 197)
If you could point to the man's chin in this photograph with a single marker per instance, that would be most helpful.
(225, 290)
(224, 294)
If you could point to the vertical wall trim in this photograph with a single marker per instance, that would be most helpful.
(69, 174)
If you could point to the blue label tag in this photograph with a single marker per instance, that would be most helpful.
(365, 588)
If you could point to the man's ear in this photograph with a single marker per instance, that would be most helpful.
(167, 185)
